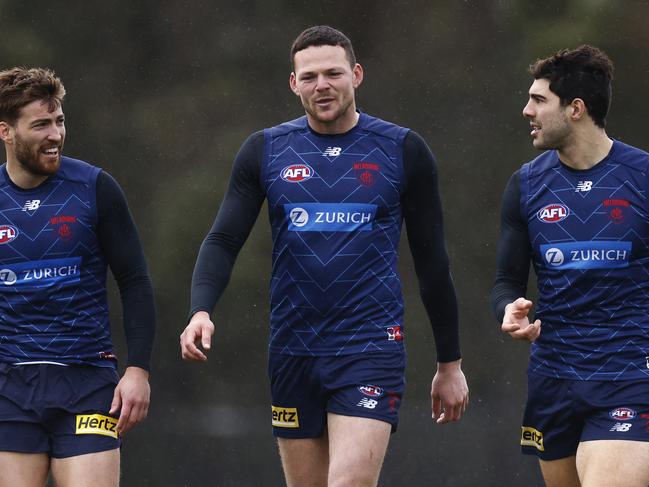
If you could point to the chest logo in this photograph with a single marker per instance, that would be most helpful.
(616, 209)
(553, 213)
(63, 225)
(332, 151)
(32, 205)
(296, 173)
(7, 234)
(366, 172)
(584, 186)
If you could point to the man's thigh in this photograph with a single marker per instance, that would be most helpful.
(23, 469)
(613, 463)
(305, 461)
(357, 448)
(91, 470)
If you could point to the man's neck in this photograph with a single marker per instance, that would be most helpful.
(339, 126)
(587, 148)
(21, 177)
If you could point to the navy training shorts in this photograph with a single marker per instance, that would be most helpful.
(58, 410)
(561, 413)
(305, 389)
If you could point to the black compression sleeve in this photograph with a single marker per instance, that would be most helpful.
(514, 251)
(422, 211)
(120, 244)
(233, 223)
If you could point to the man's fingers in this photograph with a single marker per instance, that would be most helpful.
(510, 327)
(206, 334)
(117, 402)
(437, 407)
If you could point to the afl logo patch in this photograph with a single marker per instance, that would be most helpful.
(371, 391)
(622, 414)
(553, 213)
(7, 233)
(296, 173)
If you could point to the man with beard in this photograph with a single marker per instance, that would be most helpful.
(338, 184)
(63, 408)
(579, 212)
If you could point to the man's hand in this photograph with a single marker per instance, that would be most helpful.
(199, 330)
(516, 322)
(449, 392)
(131, 398)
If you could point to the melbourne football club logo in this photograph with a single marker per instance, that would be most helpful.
(366, 172)
(7, 234)
(296, 173)
(553, 213)
(63, 225)
(616, 209)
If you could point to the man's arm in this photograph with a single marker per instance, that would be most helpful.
(234, 221)
(422, 211)
(120, 244)
(512, 268)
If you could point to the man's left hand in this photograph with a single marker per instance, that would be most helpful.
(449, 392)
(131, 398)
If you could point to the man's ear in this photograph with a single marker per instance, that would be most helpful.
(6, 132)
(292, 81)
(577, 109)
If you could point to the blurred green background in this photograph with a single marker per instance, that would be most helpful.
(161, 94)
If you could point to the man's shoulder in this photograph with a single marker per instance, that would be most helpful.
(76, 170)
(284, 128)
(381, 127)
(629, 155)
(540, 164)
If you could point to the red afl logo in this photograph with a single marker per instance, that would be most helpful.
(622, 414)
(371, 391)
(296, 173)
(7, 233)
(553, 213)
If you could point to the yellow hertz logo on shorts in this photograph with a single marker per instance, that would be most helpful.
(285, 417)
(96, 424)
(532, 437)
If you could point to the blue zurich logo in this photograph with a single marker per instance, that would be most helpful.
(587, 255)
(330, 217)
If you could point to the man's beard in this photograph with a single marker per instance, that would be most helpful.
(29, 158)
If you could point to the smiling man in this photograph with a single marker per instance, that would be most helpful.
(579, 212)
(338, 184)
(63, 408)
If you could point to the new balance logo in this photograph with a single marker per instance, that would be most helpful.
(368, 403)
(31, 205)
(584, 186)
(332, 151)
(623, 427)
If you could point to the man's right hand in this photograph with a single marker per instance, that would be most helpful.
(199, 331)
(516, 322)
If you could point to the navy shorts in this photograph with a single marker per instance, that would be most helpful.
(61, 411)
(305, 389)
(562, 413)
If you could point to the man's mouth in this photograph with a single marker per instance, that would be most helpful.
(535, 129)
(51, 151)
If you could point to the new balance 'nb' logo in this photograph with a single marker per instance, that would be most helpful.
(366, 402)
(332, 151)
(584, 186)
(31, 205)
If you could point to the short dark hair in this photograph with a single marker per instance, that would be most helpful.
(585, 72)
(20, 86)
(322, 35)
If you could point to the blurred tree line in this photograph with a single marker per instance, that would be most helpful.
(162, 93)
